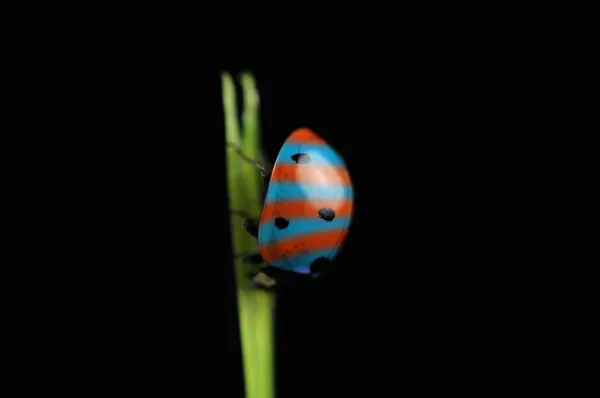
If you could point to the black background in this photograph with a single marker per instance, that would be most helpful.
(132, 148)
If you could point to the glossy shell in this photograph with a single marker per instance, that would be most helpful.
(308, 204)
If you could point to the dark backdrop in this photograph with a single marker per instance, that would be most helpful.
(149, 303)
(133, 147)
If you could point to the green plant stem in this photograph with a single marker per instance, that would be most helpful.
(243, 184)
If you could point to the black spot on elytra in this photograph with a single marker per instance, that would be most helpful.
(320, 265)
(301, 158)
(281, 223)
(326, 213)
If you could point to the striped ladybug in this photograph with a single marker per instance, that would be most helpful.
(307, 210)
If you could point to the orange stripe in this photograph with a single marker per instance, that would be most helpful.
(305, 208)
(305, 135)
(312, 174)
(302, 244)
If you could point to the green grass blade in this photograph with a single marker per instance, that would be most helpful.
(256, 328)
(243, 183)
(251, 136)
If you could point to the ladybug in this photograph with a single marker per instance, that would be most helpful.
(307, 210)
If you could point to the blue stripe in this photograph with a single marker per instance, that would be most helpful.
(269, 233)
(293, 191)
(303, 270)
(319, 154)
(301, 263)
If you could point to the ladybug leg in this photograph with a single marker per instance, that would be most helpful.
(265, 169)
(251, 258)
(250, 225)
(319, 266)
(255, 262)
(263, 280)
(276, 276)
(269, 276)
